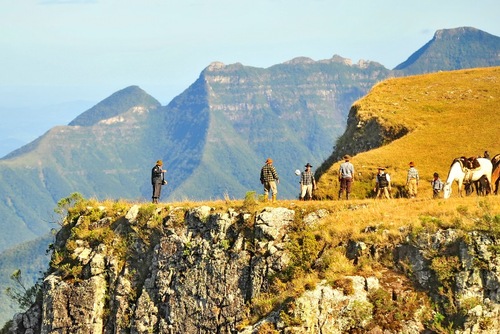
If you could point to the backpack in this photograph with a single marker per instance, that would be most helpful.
(382, 180)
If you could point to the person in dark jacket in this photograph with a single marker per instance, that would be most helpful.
(382, 184)
(157, 180)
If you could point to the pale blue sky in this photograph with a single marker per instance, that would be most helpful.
(59, 51)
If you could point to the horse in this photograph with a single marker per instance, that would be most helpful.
(495, 175)
(460, 167)
(481, 186)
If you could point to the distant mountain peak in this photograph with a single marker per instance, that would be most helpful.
(299, 60)
(454, 32)
(116, 104)
(453, 49)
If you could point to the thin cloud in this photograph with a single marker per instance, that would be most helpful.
(66, 2)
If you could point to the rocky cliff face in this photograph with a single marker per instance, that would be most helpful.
(147, 269)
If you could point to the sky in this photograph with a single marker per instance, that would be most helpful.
(61, 57)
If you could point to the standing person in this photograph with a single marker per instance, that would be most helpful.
(383, 183)
(412, 180)
(269, 178)
(307, 183)
(157, 180)
(437, 186)
(346, 176)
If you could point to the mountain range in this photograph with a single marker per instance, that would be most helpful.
(213, 137)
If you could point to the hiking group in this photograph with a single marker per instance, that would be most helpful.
(269, 179)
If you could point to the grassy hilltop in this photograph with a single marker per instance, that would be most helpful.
(437, 117)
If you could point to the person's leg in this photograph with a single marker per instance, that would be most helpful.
(412, 188)
(348, 187)
(342, 187)
(309, 191)
(303, 191)
(156, 192)
(274, 189)
(266, 191)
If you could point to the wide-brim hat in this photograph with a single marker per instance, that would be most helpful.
(308, 165)
(381, 168)
(159, 163)
(347, 157)
(269, 161)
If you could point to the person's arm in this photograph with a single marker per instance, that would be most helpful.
(275, 175)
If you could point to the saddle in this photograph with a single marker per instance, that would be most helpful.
(470, 163)
(468, 166)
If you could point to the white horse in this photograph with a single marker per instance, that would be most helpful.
(457, 173)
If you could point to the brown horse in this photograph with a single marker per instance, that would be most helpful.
(495, 175)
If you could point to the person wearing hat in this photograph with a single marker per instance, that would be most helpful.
(157, 180)
(269, 178)
(382, 184)
(412, 180)
(307, 183)
(346, 176)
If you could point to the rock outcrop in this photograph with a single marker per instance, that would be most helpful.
(200, 270)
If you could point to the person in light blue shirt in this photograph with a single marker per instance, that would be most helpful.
(346, 176)
(437, 186)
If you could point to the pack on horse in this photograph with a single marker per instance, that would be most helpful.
(495, 175)
(466, 170)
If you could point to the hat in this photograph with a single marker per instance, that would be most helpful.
(269, 161)
(308, 165)
(412, 164)
(347, 157)
(159, 163)
(381, 168)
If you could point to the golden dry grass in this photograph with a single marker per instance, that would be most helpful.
(348, 219)
(449, 114)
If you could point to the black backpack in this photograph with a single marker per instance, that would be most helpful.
(382, 180)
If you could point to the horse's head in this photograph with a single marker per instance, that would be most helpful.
(447, 190)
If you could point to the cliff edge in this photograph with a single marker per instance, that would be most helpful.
(251, 267)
